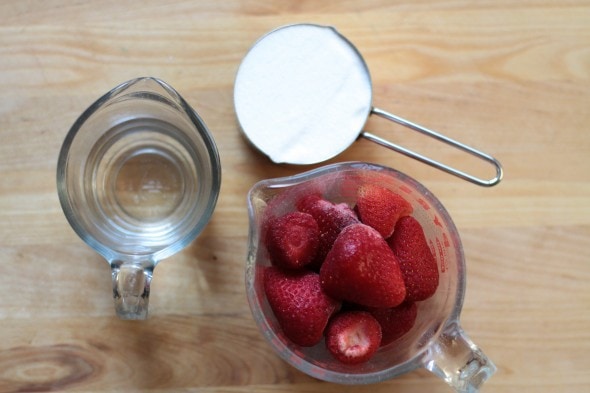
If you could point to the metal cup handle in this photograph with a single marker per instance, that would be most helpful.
(436, 164)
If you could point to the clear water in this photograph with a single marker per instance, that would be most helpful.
(141, 186)
(148, 186)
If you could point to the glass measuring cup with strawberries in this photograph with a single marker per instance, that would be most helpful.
(355, 274)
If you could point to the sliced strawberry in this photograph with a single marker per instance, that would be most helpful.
(361, 268)
(380, 208)
(353, 337)
(331, 218)
(395, 321)
(417, 263)
(292, 240)
(300, 306)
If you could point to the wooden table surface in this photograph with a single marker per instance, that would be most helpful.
(509, 77)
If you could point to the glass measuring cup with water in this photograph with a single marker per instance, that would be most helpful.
(436, 342)
(138, 179)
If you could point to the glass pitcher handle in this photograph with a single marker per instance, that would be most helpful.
(131, 289)
(458, 361)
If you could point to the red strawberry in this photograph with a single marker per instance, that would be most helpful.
(292, 240)
(396, 321)
(331, 219)
(380, 208)
(299, 305)
(361, 268)
(353, 337)
(416, 261)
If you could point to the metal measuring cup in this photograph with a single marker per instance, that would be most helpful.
(303, 93)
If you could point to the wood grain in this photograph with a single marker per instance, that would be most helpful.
(511, 78)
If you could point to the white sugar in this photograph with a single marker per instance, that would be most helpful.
(302, 94)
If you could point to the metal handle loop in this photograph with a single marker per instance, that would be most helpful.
(433, 134)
